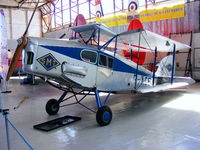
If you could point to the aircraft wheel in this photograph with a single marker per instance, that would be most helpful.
(52, 107)
(104, 116)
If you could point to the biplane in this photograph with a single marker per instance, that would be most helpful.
(91, 62)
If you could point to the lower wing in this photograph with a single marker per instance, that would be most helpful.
(163, 83)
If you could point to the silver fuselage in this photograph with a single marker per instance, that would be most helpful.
(68, 63)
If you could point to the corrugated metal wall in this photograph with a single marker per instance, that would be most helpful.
(164, 27)
(180, 25)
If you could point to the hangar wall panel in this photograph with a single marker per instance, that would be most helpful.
(18, 24)
(17, 20)
(180, 25)
(182, 57)
(8, 3)
(35, 27)
(164, 27)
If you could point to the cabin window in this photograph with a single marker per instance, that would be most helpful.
(89, 56)
(30, 58)
(110, 62)
(105, 61)
(102, 60)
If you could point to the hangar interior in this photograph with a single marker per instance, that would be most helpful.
(159, 119)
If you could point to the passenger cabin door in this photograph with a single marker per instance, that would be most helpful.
(90, 59)
(104, 72)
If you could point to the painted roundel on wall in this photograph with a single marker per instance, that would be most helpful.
(133, 5)
(98, 14)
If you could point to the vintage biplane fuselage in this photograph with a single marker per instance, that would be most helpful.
(77, 65)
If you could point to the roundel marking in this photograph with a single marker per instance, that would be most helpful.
(98, 14)
(132, 6)
(169, 67)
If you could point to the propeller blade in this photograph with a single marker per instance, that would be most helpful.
(16, 57)
(19, 48)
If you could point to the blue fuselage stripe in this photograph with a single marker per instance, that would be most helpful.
(74, 52)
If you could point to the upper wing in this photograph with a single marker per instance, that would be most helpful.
(86, 31)
(135, 39)
(148, 41)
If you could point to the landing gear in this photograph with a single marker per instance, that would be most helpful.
(104, 113)
(52, 107)
(104, 116)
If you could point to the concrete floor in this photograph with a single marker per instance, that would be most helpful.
(153, 121)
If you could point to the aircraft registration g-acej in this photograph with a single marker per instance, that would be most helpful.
(91, 63)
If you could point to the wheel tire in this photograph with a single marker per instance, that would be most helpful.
(104, 116)
(52, 107)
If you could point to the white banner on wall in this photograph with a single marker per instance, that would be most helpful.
(3, 46)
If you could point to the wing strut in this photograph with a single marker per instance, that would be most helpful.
(136, 76)
(108, 42)
(92, 35)
(99, 31)
(173, 64)
(154, 65)
(115, 46)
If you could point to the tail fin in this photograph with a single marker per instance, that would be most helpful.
(165, 66)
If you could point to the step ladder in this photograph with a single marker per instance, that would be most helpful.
(188, 66)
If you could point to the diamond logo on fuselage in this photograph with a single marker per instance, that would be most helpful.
(48, 61)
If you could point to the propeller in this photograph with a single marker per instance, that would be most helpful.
(19, 48)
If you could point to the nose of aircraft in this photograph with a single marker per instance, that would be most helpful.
(16, 56)
(19, 48)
